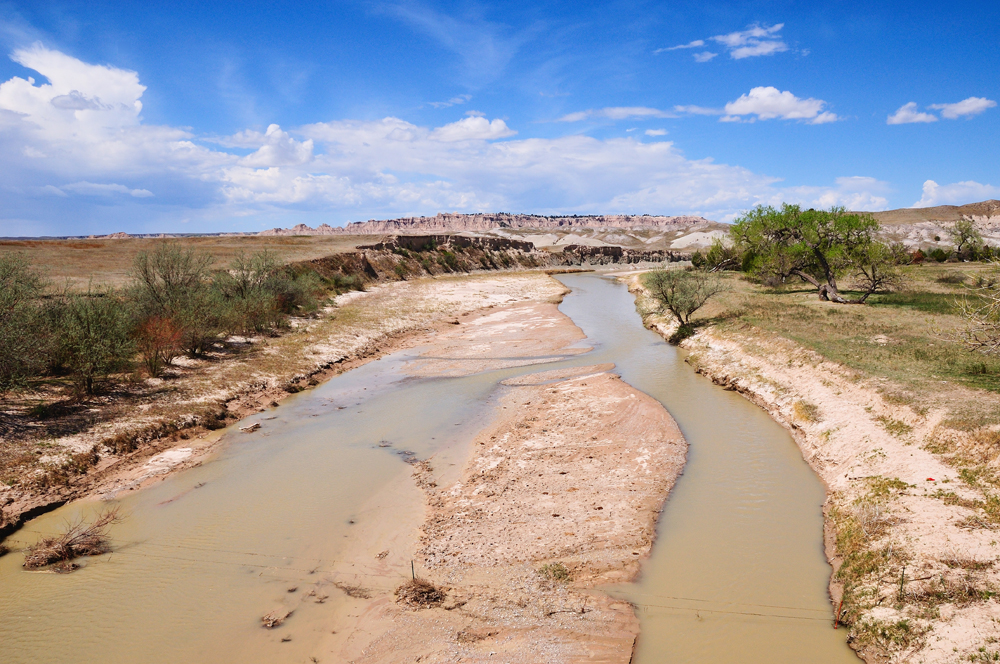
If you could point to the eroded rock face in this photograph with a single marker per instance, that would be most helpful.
(490, 221)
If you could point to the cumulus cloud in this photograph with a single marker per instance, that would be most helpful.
(965, 108)
(705, 56)
(855, 193)
(768, 103)
(656, 132)
(957, 193)
(90, 153)
(617, 113)
(473, 128)
(908, 113)
(277, 148)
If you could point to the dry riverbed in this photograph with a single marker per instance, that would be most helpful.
(559, 494)
(912, 537)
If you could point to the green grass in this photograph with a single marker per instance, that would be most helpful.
(906, 337)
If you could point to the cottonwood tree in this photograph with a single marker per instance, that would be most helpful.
(681, 293)
(967, 238)
(817, 246)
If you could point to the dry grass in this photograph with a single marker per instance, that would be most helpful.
(420, 594)
(107, 261)
(79, 539)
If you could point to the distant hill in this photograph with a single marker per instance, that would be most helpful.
(984, 211)
(493, 221)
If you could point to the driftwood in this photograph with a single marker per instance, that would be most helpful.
(80, 539)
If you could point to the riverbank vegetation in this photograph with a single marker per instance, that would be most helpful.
(864, 387)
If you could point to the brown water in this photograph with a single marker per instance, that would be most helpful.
(308, 500)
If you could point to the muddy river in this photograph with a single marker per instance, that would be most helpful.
(274, 521)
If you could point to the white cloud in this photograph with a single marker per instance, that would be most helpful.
(855, 193)
(616, 113)
(756, 40)
(957, 193)
(698, 110)
(472, 128)
(965, 108)
(95, 189)
(694, 44)
(767, 103)
(101, 159)
(277, 148)
(656, 132)
(460, 99)
(908, 114)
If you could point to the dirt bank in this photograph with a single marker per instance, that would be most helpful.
(559, 494)
(166, 424)
(910, 537)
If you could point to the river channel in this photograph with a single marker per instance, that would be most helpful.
(272, 520)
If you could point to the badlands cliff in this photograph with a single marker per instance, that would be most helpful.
(490, 221)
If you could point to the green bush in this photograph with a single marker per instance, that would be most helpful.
(95, 338)
(23, 334)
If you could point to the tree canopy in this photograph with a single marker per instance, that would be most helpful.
(817, 246)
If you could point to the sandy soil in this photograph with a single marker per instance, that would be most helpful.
(572, 474)
(854, 439)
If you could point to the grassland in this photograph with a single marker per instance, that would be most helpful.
(107, 261)
(907, 338)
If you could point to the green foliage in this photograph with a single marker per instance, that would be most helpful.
(722, 256)
(256, 293)
(172, 284)
(23, 337)
(969, 244)
(681, 292)
(816, 246)
(95, 338)
(938, 254)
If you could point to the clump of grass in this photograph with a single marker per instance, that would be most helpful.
(420, 594)
(952, 278)
(79, 539)
(805, 410)
(897, 428)
(556, 572)
(889, 637)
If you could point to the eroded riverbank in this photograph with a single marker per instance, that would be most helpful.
(913, 553)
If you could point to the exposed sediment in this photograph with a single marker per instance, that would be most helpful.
(559, 494)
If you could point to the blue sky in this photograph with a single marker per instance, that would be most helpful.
(197, 117)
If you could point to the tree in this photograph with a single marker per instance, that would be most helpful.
(681, 293)
(23, 341)
(817, 246)
(877, 268)
(968, 240)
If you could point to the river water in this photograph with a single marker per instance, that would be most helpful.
(737, 572)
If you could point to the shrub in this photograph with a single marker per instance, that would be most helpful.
(681, 292)
(94, 338)
(23, 339)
